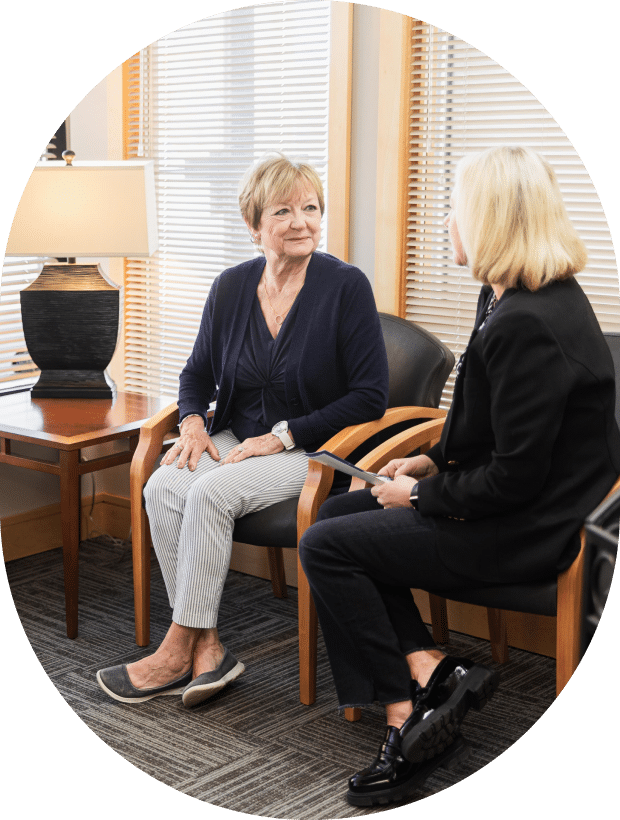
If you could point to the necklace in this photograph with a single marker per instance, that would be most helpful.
(280, 317)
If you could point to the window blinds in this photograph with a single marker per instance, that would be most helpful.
(204, 103)
(17, 371)
(461, 102)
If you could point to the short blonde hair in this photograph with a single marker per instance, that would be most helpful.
(512, 221)
(272, 178)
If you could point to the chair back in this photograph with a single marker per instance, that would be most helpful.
(418, 362)
(601, 547)
(613, 340)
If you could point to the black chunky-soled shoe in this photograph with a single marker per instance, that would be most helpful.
(391, 778)
(455, 685)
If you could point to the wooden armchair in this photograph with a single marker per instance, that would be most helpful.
(157, 434)
(562, 598)
(419, 366)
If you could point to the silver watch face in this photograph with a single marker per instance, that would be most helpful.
(280, 427)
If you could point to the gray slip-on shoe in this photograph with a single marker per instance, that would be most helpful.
(116, 683)
(209, 683)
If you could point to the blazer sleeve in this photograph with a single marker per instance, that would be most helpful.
(362, 349)
(530, 380)
(197, 382)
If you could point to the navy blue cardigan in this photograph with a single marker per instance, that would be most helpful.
(336, 373)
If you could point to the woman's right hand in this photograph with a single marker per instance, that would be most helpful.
(416, 467)
(192, 443)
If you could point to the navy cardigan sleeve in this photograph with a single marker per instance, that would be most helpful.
(344, 374)
(198, 381)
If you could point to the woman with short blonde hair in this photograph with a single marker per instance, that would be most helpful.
(274, 176)
(291, 349)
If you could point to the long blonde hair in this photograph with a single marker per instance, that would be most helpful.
(512, 220)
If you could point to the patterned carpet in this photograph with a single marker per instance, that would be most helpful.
(253, 748)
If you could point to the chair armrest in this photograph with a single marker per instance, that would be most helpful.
(320, 477)
(152, 434)
(399, 446)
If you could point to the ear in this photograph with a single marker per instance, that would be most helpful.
(254, 234)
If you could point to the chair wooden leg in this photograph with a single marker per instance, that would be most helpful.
(570, 605)
(141, 548)
(276, 570)
(308, 634)
(439, 618)
(353, 713)
(498, 634)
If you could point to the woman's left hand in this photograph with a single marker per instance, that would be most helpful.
(394, 494)
(257, 446)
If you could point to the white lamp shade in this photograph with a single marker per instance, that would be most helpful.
(87, 209)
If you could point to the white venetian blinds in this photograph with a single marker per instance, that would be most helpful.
(204, 103)
(462, 102)
(17, 371)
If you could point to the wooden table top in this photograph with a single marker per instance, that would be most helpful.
(68, 424)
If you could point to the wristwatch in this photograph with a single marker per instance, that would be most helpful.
(413, 498)
(281, 431)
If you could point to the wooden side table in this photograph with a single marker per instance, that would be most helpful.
(68, 425)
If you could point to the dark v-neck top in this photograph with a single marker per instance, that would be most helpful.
(259, 398)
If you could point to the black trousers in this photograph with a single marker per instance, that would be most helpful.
(361, 562)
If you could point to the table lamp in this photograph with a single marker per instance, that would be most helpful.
(70, 314)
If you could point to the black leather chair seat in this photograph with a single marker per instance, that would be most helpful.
(538, 599)
(275, 526)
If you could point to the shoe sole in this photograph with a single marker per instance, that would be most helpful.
(193, 695)
(138, 699)
(450, 758)
(438, 731)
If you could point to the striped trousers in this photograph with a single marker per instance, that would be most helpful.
(192, 515)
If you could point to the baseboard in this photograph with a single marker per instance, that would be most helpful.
(39, 530)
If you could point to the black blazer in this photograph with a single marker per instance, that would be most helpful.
(530, 445)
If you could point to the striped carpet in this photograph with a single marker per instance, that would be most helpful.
(253, 748)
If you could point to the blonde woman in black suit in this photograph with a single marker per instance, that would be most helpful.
(529, 448)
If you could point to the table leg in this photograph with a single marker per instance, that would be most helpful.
(70, 518)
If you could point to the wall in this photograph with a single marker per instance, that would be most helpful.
(364, 99)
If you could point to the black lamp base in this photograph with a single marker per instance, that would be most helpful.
(70, 316)
(74, 384)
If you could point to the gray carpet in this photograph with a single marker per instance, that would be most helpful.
(253, 748)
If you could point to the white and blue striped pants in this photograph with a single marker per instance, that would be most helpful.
(192, 514)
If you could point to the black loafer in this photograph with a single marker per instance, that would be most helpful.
(455, 685)
(391, 778)
(209, 683)
(116, 683)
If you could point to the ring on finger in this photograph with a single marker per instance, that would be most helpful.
(240, 449)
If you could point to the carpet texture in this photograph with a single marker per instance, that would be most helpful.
(253, 747)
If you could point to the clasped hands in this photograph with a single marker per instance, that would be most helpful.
(194, 441)
(405, 472)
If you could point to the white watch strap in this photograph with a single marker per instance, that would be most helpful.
(286, 440)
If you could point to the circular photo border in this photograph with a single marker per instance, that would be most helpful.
(565, 53)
